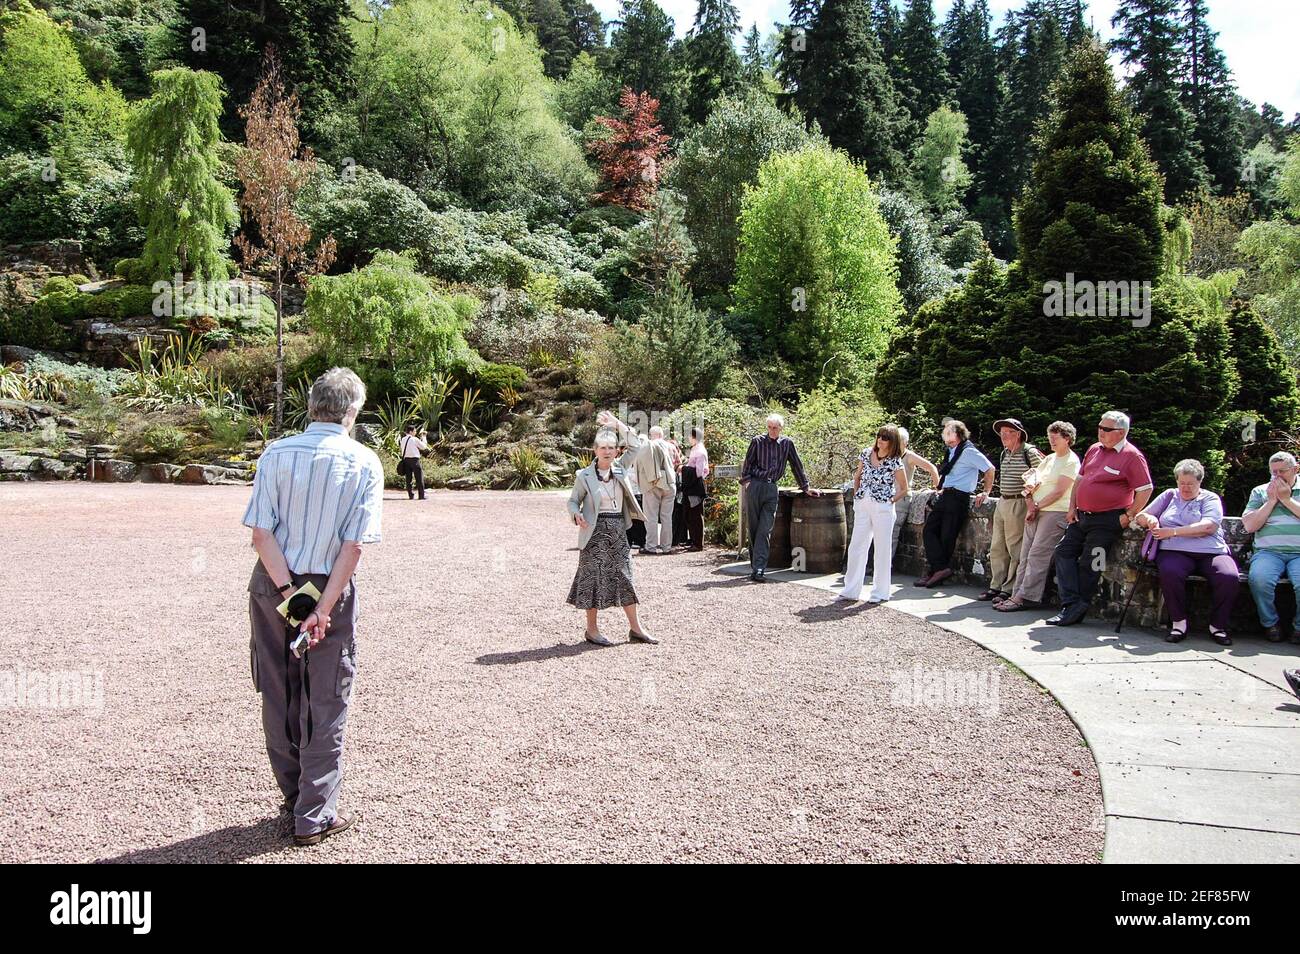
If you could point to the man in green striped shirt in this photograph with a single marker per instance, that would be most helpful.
(1273, 515)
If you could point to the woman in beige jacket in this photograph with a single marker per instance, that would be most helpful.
(603, 507)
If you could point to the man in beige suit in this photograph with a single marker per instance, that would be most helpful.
(656, 474)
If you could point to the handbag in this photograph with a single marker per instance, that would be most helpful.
(1150, 547)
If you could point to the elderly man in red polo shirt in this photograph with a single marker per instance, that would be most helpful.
(1114, 485)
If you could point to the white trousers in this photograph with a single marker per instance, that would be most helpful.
(871, 520)
(658, 507)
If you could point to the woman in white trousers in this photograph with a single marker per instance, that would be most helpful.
(879, 484)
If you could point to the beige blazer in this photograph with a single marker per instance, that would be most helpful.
(585, 499)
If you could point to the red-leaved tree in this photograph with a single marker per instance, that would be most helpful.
(629, 155)
(273, 168)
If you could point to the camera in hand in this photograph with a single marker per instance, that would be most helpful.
(296, 609)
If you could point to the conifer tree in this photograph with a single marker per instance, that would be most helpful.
(848, 91)
(1150, 42)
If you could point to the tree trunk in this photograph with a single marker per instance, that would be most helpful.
(279, 352)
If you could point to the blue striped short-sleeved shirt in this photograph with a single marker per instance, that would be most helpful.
(315, 490)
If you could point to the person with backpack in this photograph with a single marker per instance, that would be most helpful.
(1018, 458)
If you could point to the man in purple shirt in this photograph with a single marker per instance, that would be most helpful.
(764, 466)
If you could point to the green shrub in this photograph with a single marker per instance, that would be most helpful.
(59, 284)
(529, 469)
(33, 328)
(79, 279)
(582, 290)
(157, 442)
(493, 378)
(132, 270)
(227, 431)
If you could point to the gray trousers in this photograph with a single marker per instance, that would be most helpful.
(309, 775)
(761, 498)
(657, 505)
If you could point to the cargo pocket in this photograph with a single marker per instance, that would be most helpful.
(347, 671)
(252, 664)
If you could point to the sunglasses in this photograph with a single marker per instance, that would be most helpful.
(1108, 430)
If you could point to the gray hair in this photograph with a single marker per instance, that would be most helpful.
(902, 432)
(1284, 457)
(605, 436)
(1119, 418)
(776, 419)
(335, 396)
(656, 432)
(1064, 428)
(1189, 466)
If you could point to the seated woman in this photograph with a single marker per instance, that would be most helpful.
(1188, 523)
(1047, 490)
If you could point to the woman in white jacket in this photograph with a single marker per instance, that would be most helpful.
(603, 506)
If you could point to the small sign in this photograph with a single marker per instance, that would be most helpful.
(727, 470)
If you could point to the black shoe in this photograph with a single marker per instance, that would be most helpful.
(758, 576)
(1175, 635)
(1273, 634)
(1220, 637)
(1295, 636)
(1069, 616)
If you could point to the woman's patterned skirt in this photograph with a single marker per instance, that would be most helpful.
(604, 576)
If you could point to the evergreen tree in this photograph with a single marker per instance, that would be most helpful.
(754, 58)
(978, 91)
(1032, 49)
(848, 91)
(1210, 96)
(565, 28)
(1266, 409)
(229, 37)
(713, 68)
(792, 56)
(642, 57)
(884, 18)
(185, 210)
(1151, 41)
(1092, 212)
(923, 79)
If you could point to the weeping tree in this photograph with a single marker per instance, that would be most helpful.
(186, 212)
(273, 169)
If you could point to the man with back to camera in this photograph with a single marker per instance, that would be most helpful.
(317, 497)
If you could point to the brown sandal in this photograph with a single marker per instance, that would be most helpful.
(1010, 605)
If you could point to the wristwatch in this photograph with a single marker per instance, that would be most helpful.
(287, 586)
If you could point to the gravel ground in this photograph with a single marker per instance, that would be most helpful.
(768, 725)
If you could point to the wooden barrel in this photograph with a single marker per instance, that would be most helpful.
(817, 526)
(778, 550)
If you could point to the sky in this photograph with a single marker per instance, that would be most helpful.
(1257, 36)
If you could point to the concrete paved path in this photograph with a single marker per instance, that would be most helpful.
(1198, 745)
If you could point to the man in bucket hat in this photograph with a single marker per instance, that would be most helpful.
(1018, 456)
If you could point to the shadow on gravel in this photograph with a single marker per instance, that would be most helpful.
(558, 651)
(726, 582)
(830, 612)
(236, 843)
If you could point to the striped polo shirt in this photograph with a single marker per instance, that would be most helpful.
(1281, 531)
(313, 491)
(1012, 468)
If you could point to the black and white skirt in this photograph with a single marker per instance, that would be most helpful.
(604, 576)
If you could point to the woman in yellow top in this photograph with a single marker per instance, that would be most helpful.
(1047, 493)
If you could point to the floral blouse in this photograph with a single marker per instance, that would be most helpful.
(877, 482)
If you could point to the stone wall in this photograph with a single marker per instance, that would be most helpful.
(971, 565)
